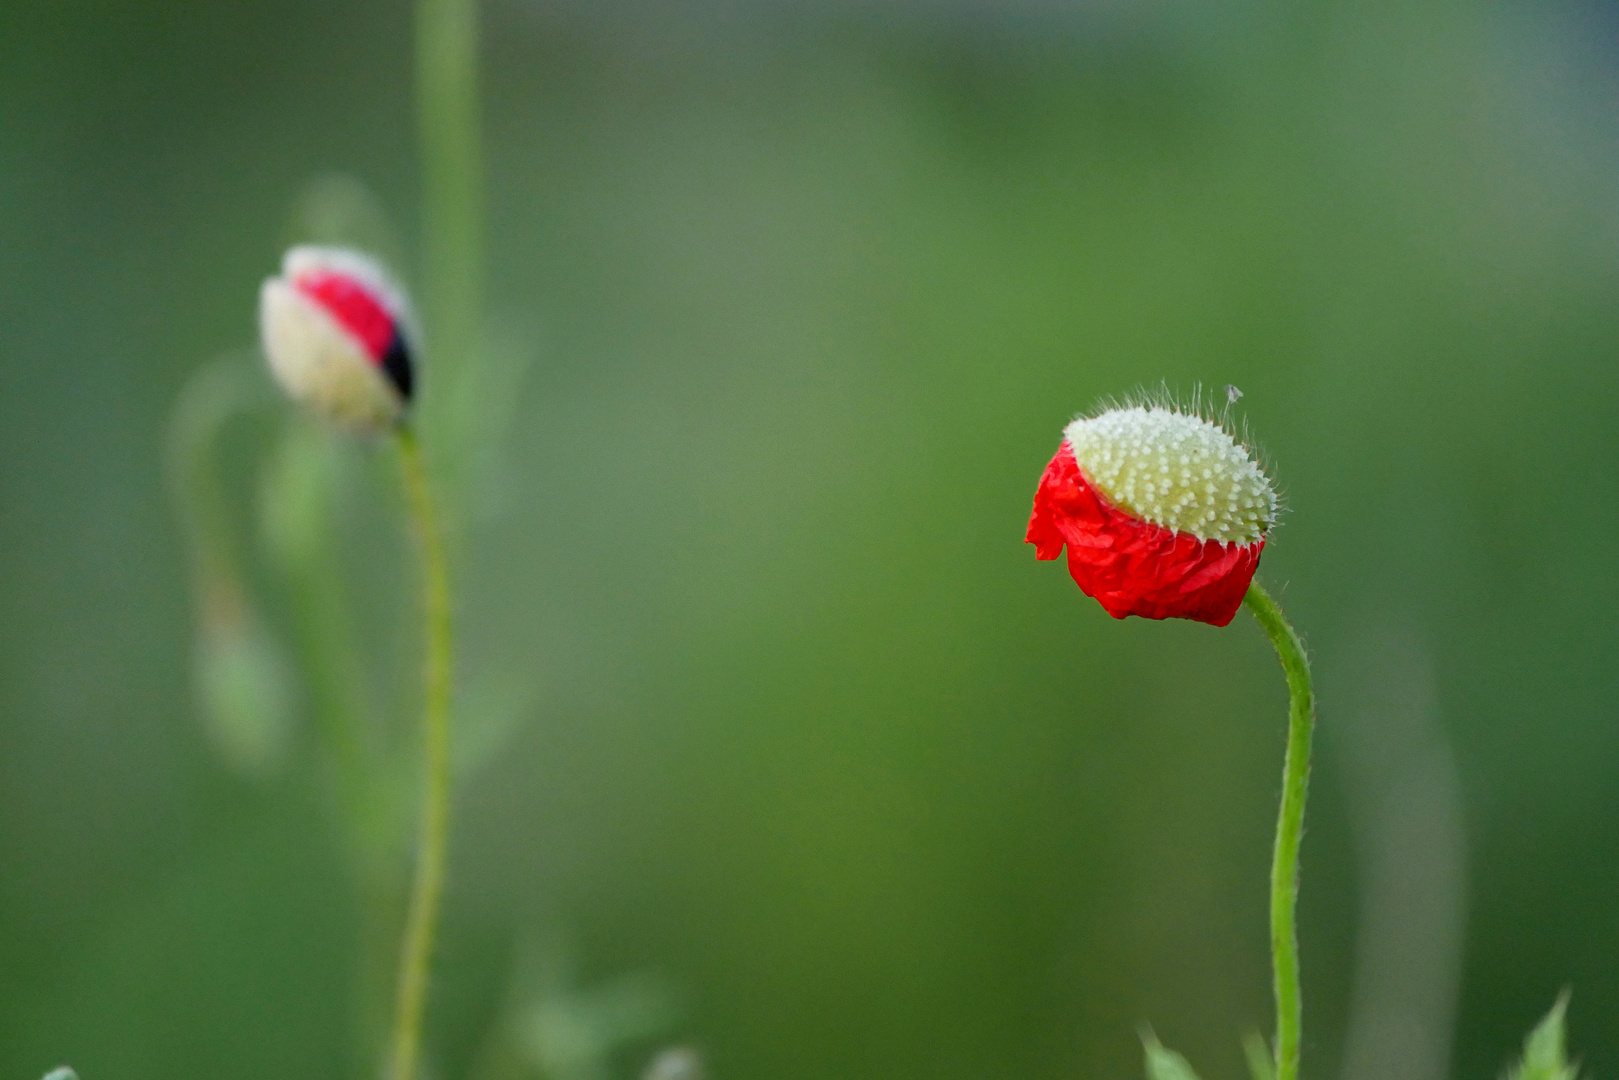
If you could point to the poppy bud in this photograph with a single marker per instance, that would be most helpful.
(335, 332)
(1163, 513)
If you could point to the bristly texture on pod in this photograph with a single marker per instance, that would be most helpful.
(336, 332)
(1163, 513)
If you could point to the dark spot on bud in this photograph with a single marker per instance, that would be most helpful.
(396, 363)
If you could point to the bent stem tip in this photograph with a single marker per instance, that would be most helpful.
(1284, 876)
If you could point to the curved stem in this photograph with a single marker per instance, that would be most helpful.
(210, 399)
(428, 883)
(1284, 874)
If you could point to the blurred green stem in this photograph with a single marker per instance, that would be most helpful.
(428, 883)
(452, 175)
(302, 485)
(210, 399)
(1284, 874)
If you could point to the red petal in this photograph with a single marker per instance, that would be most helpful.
(1131, 566)
(353, 306)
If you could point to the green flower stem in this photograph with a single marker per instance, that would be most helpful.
(452, 176)
(452, 227)
(428, 884)
(1284, 874)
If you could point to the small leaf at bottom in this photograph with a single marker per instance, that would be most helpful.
(1162, 1062)
(1545, 1050)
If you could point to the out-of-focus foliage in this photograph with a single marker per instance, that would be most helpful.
(242, 679)
(1163, 1063)
(781, 713)
(675, 1063)
(1261, 1062)
(1545, 1055)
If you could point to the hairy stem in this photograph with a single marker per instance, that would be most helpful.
(1284, 874)
(428, 883)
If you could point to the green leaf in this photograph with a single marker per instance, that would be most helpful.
(1163, 1063)
(1261, 1063)
(1545, 1050)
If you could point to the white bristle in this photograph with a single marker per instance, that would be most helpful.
(1176, 470)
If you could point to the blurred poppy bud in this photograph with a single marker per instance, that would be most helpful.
(1163, 513)
(675, 1063)
(335, 330)
(244, 684)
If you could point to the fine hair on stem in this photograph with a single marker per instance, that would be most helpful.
(1284, 877)
(427, 884)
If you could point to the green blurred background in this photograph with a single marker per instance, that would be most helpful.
(805, 294)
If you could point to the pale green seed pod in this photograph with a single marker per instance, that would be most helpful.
(1177, 470)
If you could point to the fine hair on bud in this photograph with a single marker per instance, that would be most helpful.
(1176, 464)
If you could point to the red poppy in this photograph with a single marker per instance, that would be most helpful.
(1166, 568)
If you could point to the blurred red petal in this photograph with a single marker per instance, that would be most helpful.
(354, 306)
(1131, 566)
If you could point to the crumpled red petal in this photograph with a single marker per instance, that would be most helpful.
(1131, 566)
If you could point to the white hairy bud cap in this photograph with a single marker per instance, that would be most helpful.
(1176, 470)
(335, 333)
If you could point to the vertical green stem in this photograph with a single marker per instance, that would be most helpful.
(452, 218)
(428, 883)
(452, 175)
(1284, 874)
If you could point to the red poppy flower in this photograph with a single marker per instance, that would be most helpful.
(1164, 514)
(334, 330)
